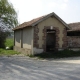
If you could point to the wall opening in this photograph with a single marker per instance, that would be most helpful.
(73, 39)
(50, 40)
(73, 33)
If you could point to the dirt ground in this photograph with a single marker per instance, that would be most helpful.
(25, 68)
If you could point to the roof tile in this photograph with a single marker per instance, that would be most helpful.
(29, 23)
(74, 26)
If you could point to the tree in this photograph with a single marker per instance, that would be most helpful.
(8, 15)
(8, 19)
(2, 39)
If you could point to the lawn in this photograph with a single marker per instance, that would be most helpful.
(4, 52)
(9, 42)
(9, 51)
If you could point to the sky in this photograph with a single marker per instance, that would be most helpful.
(67, 10)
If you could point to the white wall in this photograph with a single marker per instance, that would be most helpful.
(27, 37)
(18, 38)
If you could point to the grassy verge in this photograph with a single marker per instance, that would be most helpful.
(4, 52)
(9, 43)
(59, 54)
(9, 51)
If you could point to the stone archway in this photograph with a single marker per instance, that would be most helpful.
(45, 36)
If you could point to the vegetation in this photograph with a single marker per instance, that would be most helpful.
(8, 20)
(4, 52)
(9, 43)
(8, 15)
(8, 52)
(2, 39)
(58, 54)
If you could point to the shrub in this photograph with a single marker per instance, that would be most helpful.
(9, 43)
(3, 36)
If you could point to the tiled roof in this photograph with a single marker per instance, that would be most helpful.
(75, 26)
(37, 20)
(29, 23)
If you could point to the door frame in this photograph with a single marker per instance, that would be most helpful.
(50, 31)
(44, 37)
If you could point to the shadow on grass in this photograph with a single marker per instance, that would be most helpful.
(58, 54)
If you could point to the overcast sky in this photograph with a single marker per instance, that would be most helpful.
(68, 10)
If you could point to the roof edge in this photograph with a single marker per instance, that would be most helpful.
(47, 16)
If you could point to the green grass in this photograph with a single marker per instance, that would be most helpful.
(58, 54)
(9, 42)
(4, 52)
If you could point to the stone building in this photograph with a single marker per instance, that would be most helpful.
(43, 34)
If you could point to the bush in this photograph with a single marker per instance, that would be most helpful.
(3, 36)
(9, 43)
(11, 48)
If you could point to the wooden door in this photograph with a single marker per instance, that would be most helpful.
(50, 41)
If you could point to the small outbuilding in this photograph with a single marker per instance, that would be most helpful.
(73, 36)
(43, 34)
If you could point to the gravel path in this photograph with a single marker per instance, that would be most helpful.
(24, 68)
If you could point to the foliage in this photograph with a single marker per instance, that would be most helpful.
(2, 39)
(59, 54)
(9, 43)
(8, 15)
(4, 52)
(8, 19)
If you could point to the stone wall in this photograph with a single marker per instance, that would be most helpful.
(36, 37)
(64, 39)
(39, 40)
(57, 37)
(57, 46)
(23, 50)
(73, 41)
